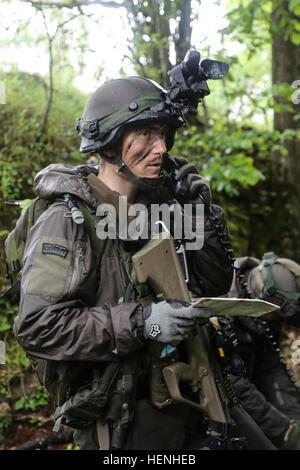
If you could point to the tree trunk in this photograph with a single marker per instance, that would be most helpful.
(286, 70)
(183, 43)
(160, 57)
(157, 56)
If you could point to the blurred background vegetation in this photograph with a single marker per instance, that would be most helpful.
(245, 138)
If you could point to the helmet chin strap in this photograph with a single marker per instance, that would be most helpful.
(113, 159)
(160, 189)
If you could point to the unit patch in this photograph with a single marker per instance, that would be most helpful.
(53, 249)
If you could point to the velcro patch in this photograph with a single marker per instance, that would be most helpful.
(53, 249)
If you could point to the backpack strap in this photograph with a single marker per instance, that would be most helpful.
(11, 292)
(15, 244)
(90, 221)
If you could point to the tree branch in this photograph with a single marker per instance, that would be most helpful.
(42, 442)
(60, 25)
(75, 3)
(50, 49)
(50, 40)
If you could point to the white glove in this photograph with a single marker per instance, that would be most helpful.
(170, 321)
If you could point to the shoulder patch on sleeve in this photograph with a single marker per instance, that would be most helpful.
(54, 249)
(48, 275)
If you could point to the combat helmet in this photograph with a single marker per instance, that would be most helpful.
(118, 104)
(277, 280)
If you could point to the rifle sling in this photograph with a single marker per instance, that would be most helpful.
(103, 435)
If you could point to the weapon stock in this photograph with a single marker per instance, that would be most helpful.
(199, 373)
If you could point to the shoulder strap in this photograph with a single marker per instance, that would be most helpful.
(14, 245)
(266, 269)
(135, 289)
(90, 225)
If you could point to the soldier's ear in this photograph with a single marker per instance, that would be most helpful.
(109, 152)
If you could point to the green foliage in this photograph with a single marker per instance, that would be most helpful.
(3, 233)
(24, 204)
(37, 399)
(225, 158)
(250, 21)
(13, 372)
(160, 31)
(24, 149)
(238, 163)
(11, 311)
(17, 362)
(5, 424)
(4, 324)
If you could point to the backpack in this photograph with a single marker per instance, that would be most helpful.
(269, 285)
(15, 242)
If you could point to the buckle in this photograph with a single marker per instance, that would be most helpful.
(93, 129)
(271, 291)
(77, 126)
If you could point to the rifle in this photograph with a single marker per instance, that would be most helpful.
(201, 370)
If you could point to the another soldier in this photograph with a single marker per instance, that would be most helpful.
(269, 392)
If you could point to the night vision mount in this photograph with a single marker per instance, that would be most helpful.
(188, 80)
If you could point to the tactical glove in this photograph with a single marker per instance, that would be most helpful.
(293, 439)
(191, 187)
(170, 321)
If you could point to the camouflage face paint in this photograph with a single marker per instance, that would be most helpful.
(143, 150)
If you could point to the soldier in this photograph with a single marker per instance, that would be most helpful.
(269, 392)
(83, 319)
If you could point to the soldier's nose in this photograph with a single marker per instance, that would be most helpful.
(160, 146)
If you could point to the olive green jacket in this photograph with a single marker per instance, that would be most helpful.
(69, 308)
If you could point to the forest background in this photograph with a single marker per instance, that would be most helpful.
(245, 138)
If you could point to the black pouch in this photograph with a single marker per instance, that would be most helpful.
(60, 377)
(87, 405)
(156, 429)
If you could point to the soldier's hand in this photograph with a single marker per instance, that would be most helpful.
(190, 185)
(292, 439)
(170, 321)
